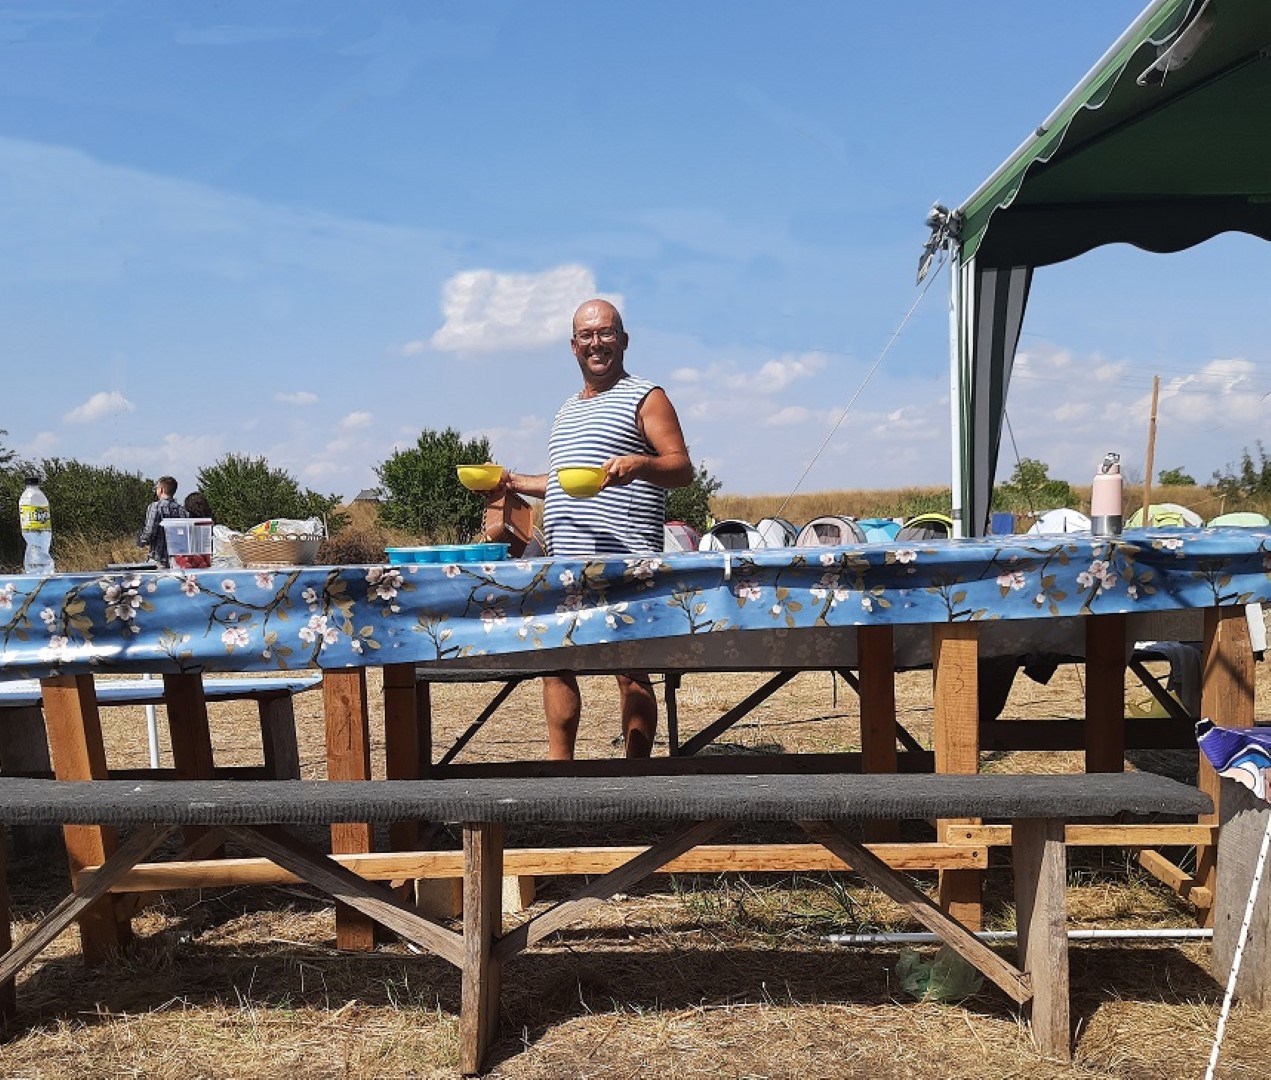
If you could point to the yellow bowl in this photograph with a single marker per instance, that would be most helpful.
(580, 481)
(479, 477)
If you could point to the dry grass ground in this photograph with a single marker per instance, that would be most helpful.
(683, 978)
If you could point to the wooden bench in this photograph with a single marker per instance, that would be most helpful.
(693, 809)
(23, 741)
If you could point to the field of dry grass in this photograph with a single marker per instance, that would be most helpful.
(685, 977)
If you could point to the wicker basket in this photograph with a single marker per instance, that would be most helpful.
(272, 552)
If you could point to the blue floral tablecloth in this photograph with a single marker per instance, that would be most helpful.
(334, 617)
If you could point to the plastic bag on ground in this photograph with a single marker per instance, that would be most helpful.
(943, 977)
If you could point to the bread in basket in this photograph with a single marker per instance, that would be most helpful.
(272, 552)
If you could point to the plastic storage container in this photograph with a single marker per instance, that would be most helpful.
(447, 553)
(189, 542)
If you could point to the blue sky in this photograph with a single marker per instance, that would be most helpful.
(308, 230)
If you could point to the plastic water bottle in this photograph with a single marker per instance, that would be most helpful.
(37, 528)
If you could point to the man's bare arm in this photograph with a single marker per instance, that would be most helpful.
(669, 466)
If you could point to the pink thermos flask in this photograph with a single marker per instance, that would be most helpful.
(1106, 498)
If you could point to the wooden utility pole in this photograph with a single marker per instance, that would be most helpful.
(1151, 453)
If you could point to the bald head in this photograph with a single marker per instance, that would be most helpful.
(597, 311)
(599, 343)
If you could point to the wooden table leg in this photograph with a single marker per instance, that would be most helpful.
(955, 663)
(278, 736)
(8, 990)
(75, 740)
(482, 924)
(1105, 693)
(876, 657)
(349, 758)
(1226, 698)
(1038, 855)
(407, 739)
(191, 740)
(24, 751)
(671, 692)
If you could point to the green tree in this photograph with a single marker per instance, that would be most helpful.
(1029, 488)
(692, 504)
(1249, 480)
(1175, 478)
(422, 494)
(245, 491)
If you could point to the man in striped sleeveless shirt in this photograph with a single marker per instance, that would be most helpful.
(629, 426)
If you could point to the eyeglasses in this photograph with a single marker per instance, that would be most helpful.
(608, 335)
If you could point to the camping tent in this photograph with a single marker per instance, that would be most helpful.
(731, 535)
(1167, 515)
(1061, 521)
(777, 532)
(829, 530)
(926, 527)
(879, 530)
(1245, 520)
(1162, 145)
(679, 536)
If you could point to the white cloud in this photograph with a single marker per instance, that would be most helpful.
(412, 348)
(486, 310)
(99, 405)
(42, 445)
(791, 414)
(297, 397)
(356, 420)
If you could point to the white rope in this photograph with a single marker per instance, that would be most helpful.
(1240, 948)
(869, 375)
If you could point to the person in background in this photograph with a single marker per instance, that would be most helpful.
(197, 506)
(628, 426)
(165, 506)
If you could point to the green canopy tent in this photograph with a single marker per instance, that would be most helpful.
(1164, 144)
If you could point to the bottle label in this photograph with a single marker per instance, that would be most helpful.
(34, 518)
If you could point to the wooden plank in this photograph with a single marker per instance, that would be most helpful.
(715, 729)
(369, 899)
(1114, 835)
(1105, 693)
(407, 753)
(1037, 855)
(1226, 698)
(24, 751)
(89, 890)
(1176, 878)
(1245, 820)
(1156, 733)
(75, 742)
(671, 695)
(349, 758)
(191, 736)
(708, 764)
(8, 988)
(482, 921)
(595, 892)
(278, 737)
(555, 862)
(956, 738)
(877, 690)
(952, 932)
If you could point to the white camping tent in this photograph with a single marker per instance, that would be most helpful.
(731, 535)
(830, 530)
(1061, 521)
(777, 532)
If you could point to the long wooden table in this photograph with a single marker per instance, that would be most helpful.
(873, 609)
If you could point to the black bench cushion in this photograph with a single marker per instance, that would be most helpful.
(834, 797)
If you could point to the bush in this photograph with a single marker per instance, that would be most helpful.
(422, 494)
(1175, 478)
(692, 504)
(1249, 481)
(1029, 488)
(245, 491)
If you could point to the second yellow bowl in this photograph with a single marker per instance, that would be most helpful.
(479, 477)
(580, 481)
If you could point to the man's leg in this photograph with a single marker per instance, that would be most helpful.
(639, 714)
(563, 706)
